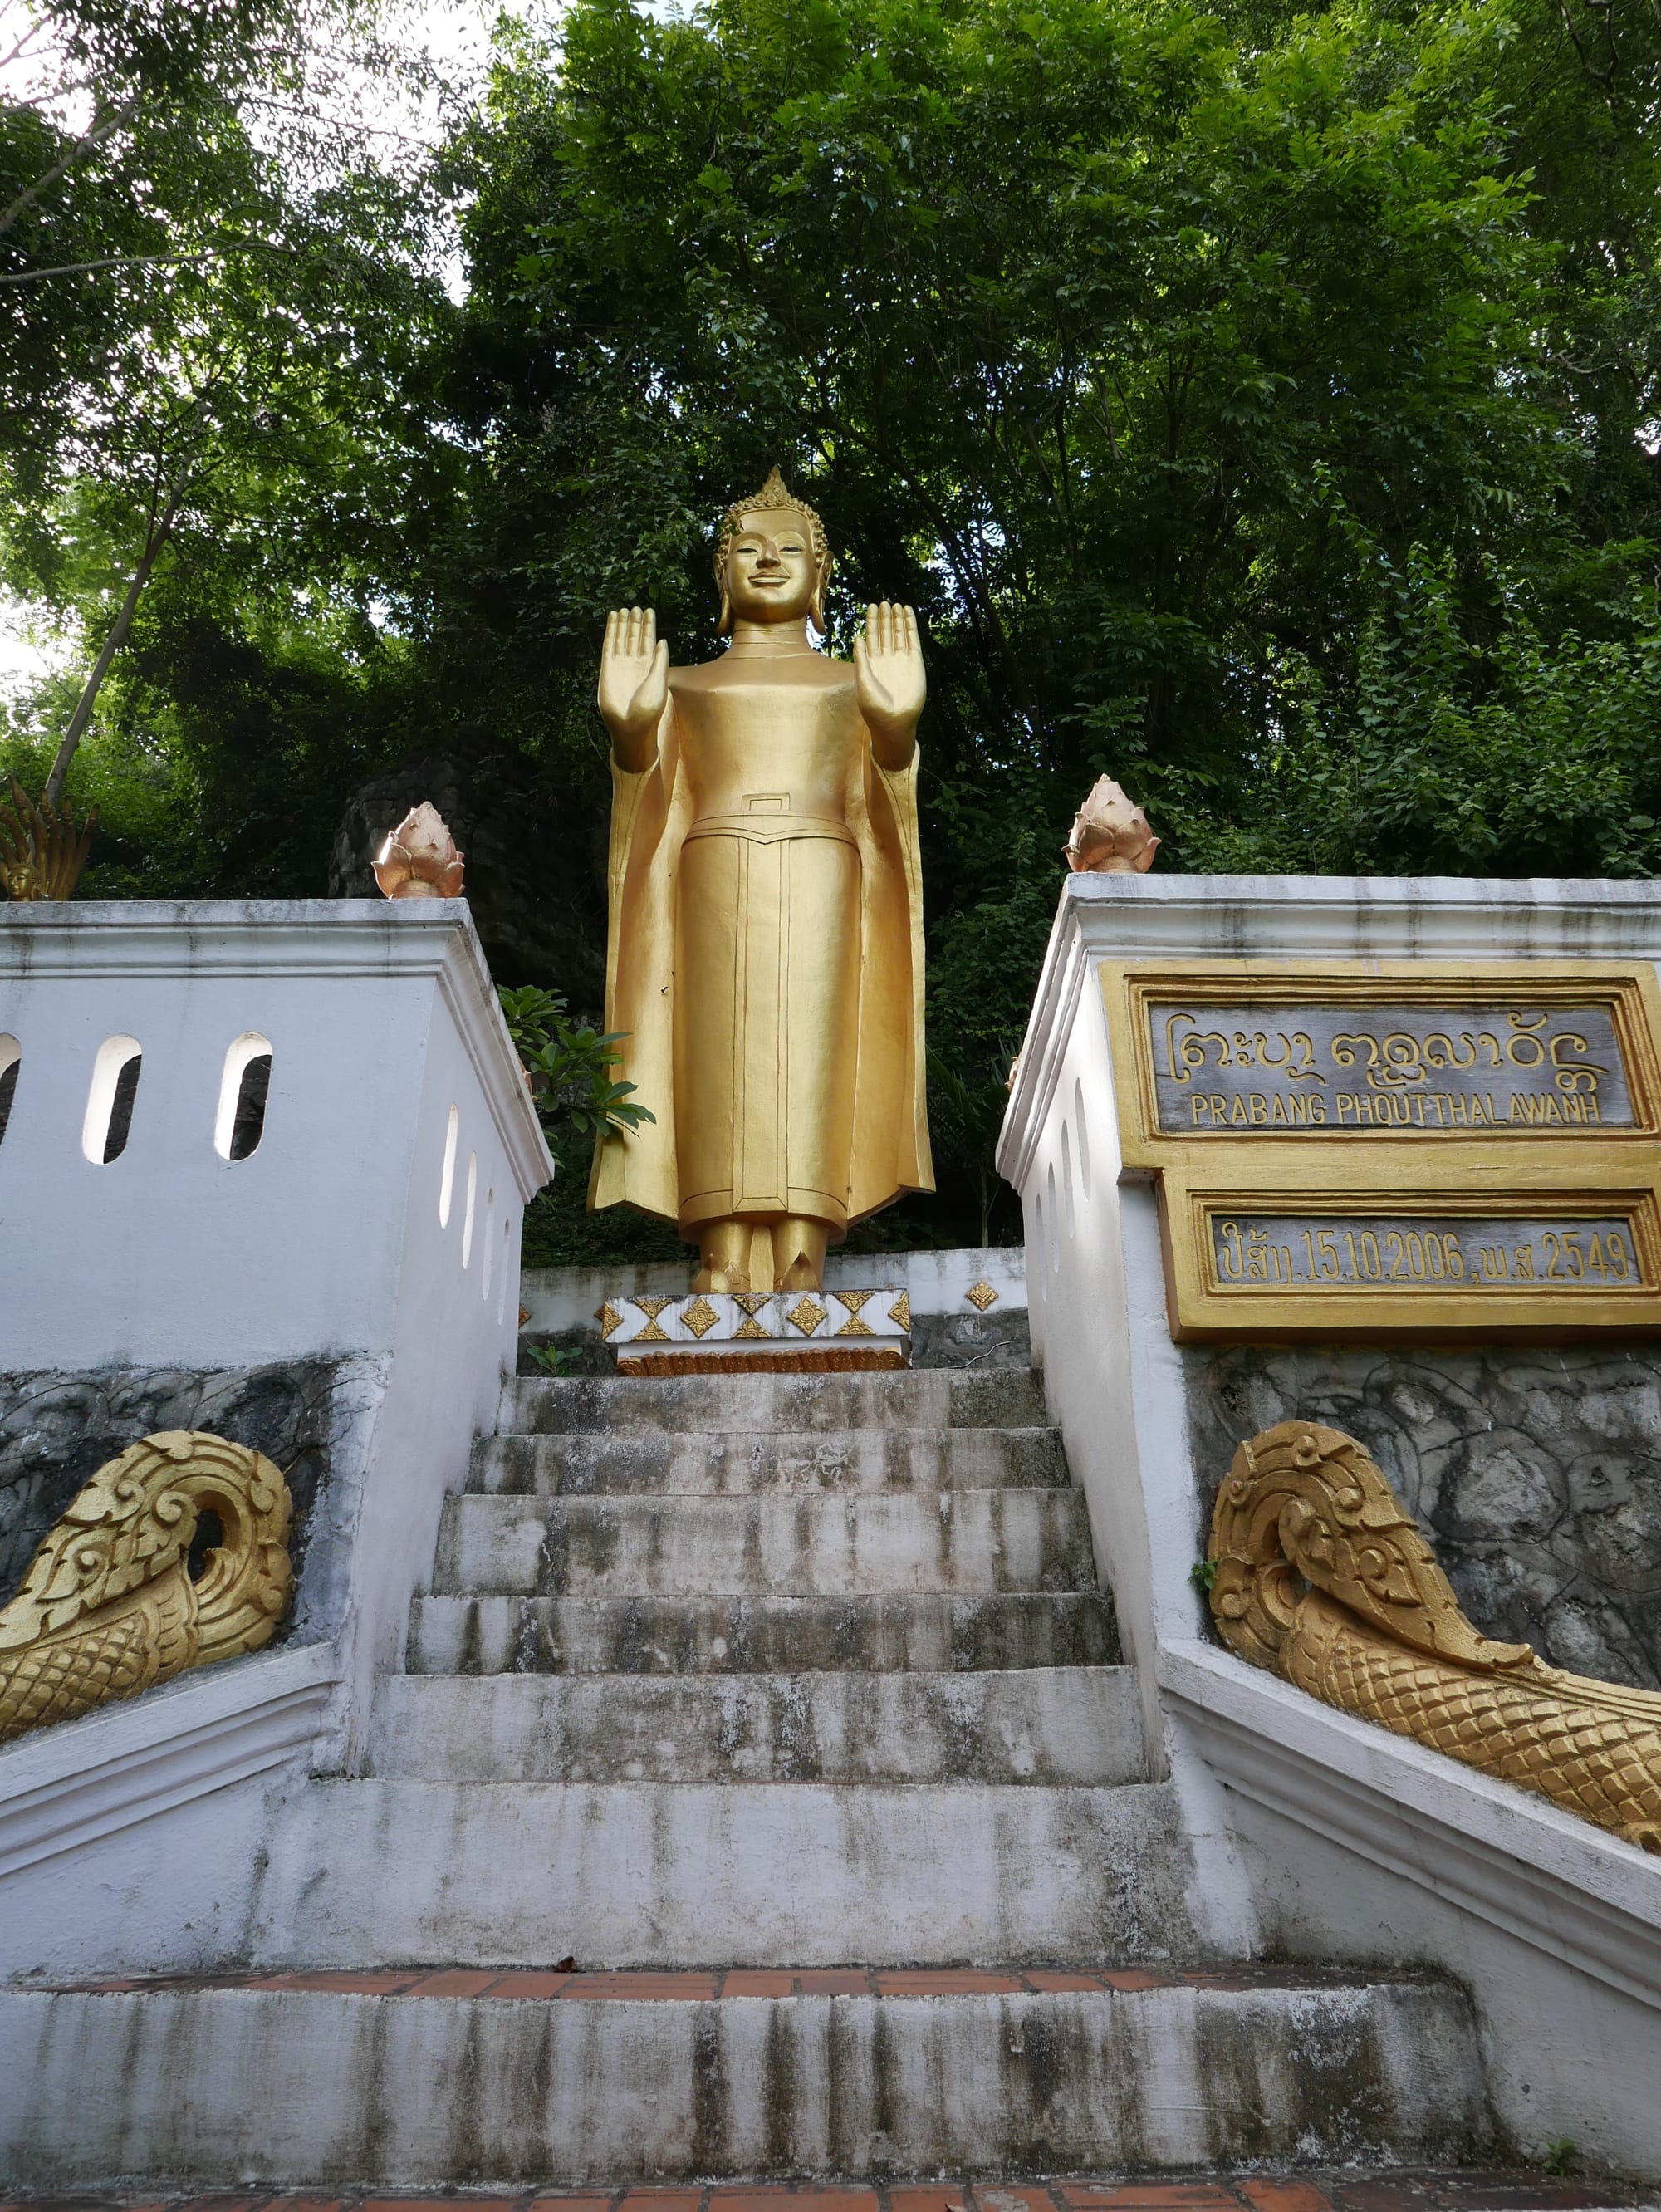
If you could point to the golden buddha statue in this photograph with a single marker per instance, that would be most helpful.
(765, 950)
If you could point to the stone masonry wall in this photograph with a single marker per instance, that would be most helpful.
(1534, 1474)
(57, 1429)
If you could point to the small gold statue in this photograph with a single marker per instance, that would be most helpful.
(765, 946)
(419, 858)
(42, 852)
(1110, 835)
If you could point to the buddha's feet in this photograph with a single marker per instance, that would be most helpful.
(778, 1255)
(798, 1254)
(724, 1249)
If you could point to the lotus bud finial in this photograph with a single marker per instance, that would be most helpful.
(419, 858)
(1110, 835)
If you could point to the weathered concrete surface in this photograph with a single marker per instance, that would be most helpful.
(1305, 1854)
(388, 1873)
(283, 2088)
(1071, 1725)
(969, 1541)
(933, 1631)
(749, 1464)
(987, 1341)
(1535, 1474)
(632, 1407)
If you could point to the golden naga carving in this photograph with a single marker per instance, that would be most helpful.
(42, 852)
(108, 1607)
(1322, 1578)
(765, 958)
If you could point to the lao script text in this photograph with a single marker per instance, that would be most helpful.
(1423, 1253)
(1328, 1070)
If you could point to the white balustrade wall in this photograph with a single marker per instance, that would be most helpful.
(371, 1218)
(390, 1070)
(1315, 1833)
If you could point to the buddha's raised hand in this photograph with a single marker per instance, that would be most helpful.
(888, 680)
(634, 683)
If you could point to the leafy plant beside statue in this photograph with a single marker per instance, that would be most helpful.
(568, 1066)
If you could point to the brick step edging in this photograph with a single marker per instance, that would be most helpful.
(1326, 2190)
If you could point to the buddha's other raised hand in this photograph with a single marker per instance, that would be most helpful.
(889, 681)
(633, 683)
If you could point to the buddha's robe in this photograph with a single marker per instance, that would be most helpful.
(766, 964)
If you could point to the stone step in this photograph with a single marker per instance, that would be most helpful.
(928, 1632)
(973, 1541)
(454, 2080)
(749, 1463)
(932, 1398)
(366, 1872)
(1075, 1724)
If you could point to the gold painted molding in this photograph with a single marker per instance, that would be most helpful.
(108, 1607)
(1304, 1120)
(1626, 992)
(1322, 1578)
(1324, 1250)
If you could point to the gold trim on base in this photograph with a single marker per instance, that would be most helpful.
(1412, 1307)
(1627, 991)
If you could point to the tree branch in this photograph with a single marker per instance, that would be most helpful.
(125, 261)
(82, 146)
(113, 644)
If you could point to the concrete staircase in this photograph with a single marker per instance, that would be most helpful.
(789, 1708)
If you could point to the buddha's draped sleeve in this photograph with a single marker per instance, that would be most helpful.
(891, 1150)
(648, 822)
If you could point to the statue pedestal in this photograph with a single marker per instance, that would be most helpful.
(740, 1332)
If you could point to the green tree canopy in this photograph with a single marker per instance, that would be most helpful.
(1259, 406)
(215, 294)
(1251, 403)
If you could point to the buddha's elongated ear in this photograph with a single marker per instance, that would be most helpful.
(725, 622)
(816, 603)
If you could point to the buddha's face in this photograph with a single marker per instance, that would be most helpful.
(771, 570)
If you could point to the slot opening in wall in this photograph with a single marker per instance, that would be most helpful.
(244, 1087)
(507, 1255)
(467, 1218)
(447, 1177)
(108, 1121)
(11, 1059)
(489, 1245)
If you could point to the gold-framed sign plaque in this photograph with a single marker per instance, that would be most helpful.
(1497, 1056)
(1377, 1150)
(1569, 1252)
